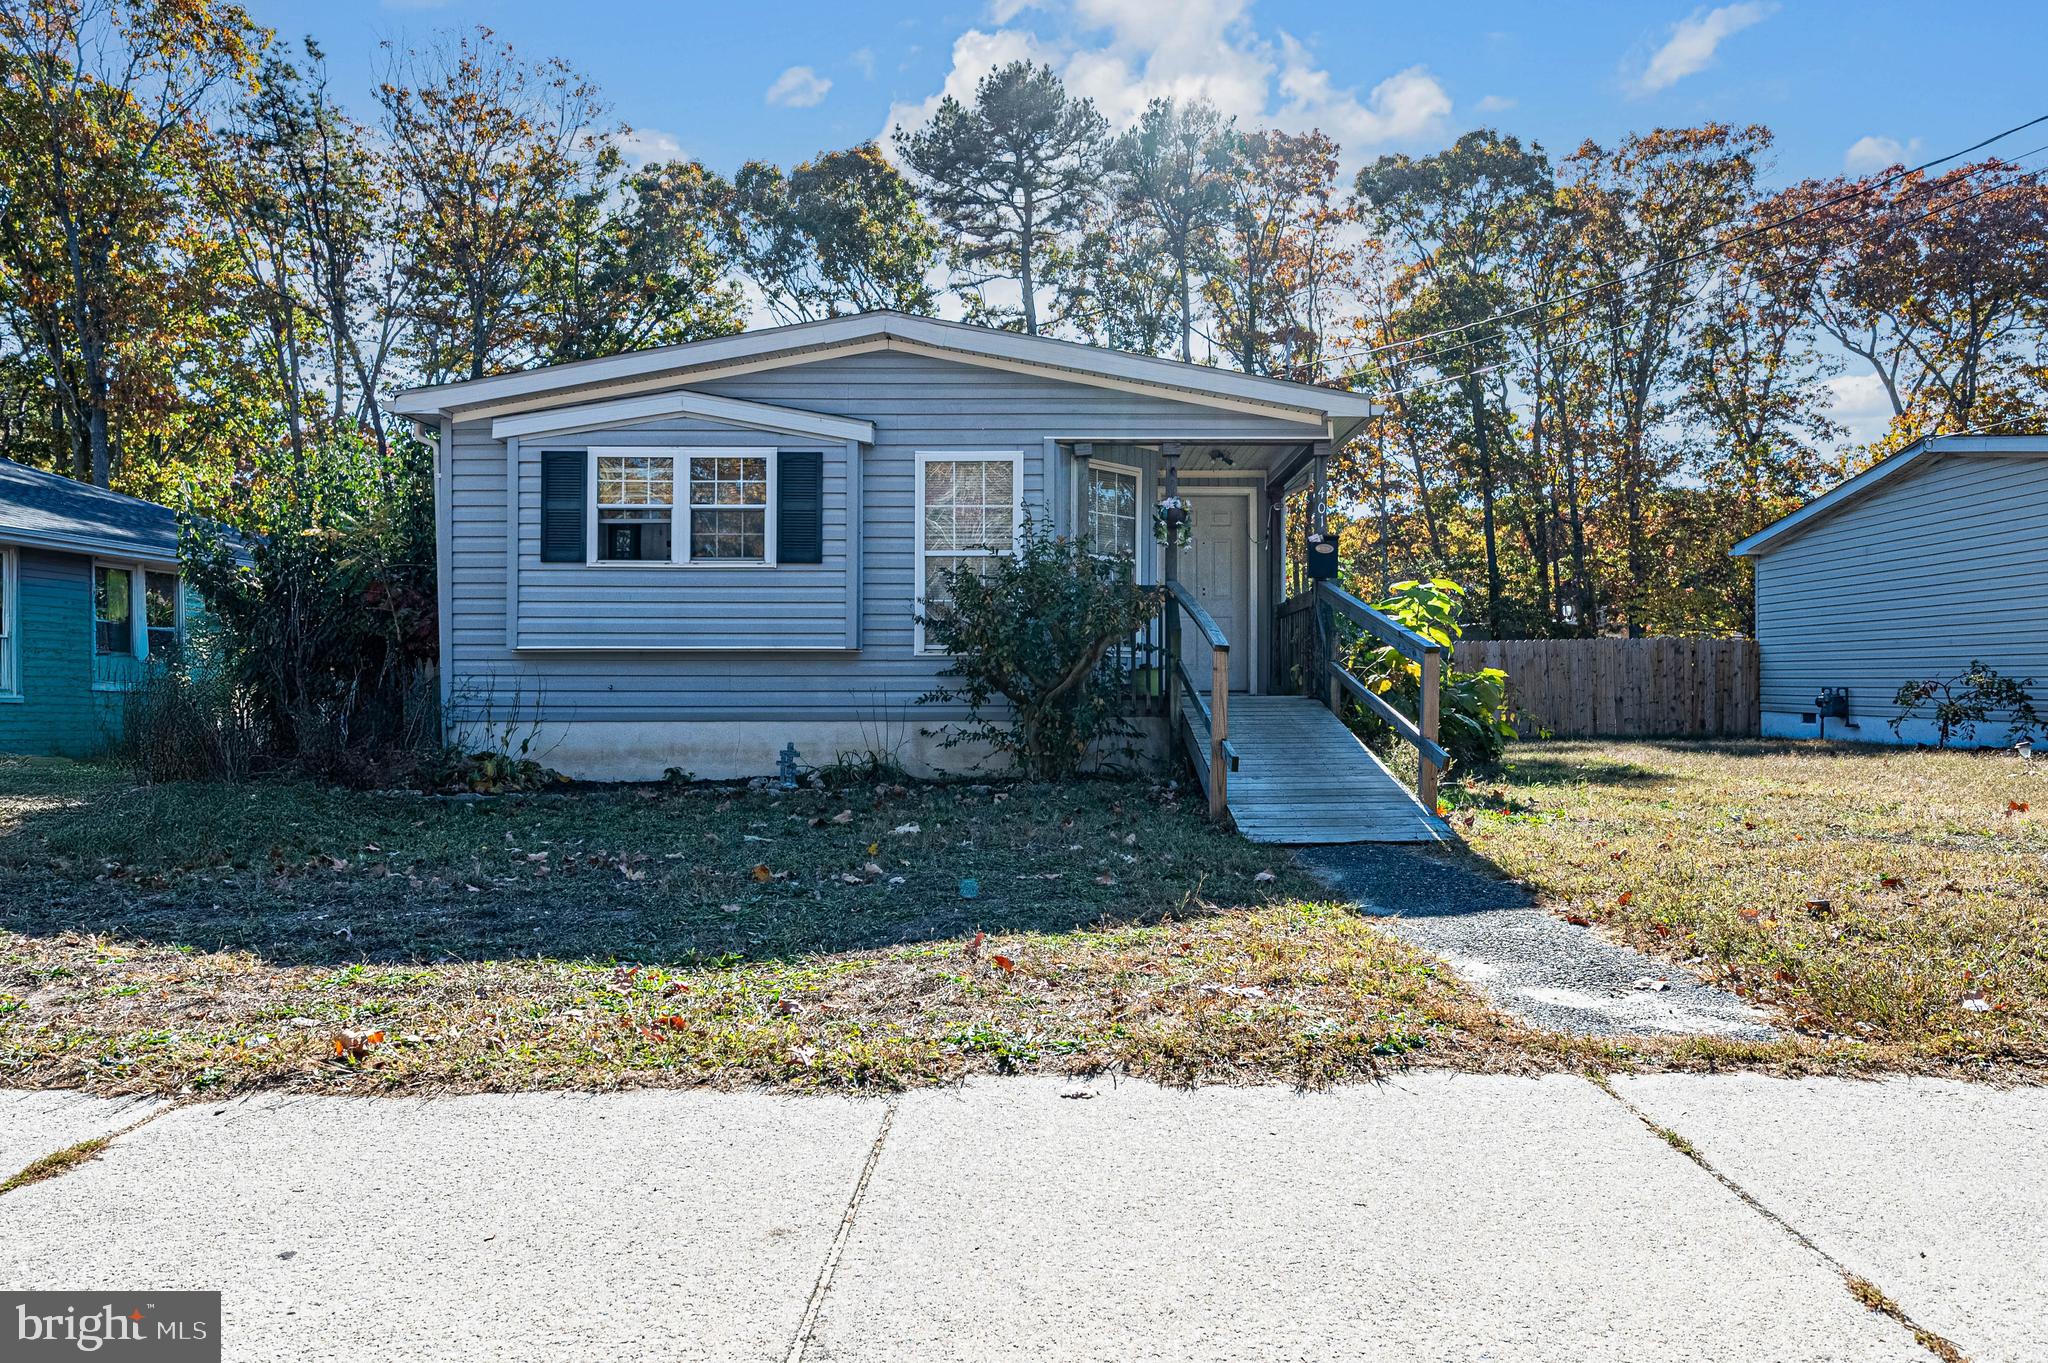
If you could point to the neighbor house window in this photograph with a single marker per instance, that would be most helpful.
(636, 501)
(160, 606)
(113, 610)
(729, 508)
(968, 512)
(10, 669)
(1111, 523)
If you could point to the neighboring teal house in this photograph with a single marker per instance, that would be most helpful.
(89, 593)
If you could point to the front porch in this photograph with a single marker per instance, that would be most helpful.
(1243, 664)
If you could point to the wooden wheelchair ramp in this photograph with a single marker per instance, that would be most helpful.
(1303, 777)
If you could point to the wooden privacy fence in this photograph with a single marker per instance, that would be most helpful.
(1625, 688)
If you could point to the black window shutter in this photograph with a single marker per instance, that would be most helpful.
(562, 506)
(800, 507)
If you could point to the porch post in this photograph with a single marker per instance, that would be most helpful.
(1169, 570)
(1325, 617)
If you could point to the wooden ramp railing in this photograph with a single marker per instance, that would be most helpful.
(1308, 638)
(1183, 695)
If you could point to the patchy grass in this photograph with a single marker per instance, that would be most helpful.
(1889, 899)
(58, 1162)
(192, 938)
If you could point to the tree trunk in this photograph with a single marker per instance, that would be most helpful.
(1025, 243)
(1476, 395)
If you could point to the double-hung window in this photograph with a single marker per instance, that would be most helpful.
(113, 610)
(1110, 511)
(683, 508)
(636, 497)
(969, 511)
(160, 614)
(137, 612)
(729, 508)
(10, 608)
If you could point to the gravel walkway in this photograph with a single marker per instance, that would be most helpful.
(1537, 966)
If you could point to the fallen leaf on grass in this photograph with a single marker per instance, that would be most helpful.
(1975, 1002)
(1004, 964)
(905, 829)
(762, 873)
(1262, 877)
(843, 816)
(973, 947)
(1622, 900)
(1105, 879)
(355, 1045)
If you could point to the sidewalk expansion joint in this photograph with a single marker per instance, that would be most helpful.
(1866, 1293)
(816, 1305)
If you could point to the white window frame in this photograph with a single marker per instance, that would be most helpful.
(680, 510)
(138, 604)
(926, 458)
(10, 623)
(1140, 558)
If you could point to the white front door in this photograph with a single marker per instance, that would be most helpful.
(1216, 567)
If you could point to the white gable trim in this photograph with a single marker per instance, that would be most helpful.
(698, 361)
(758, 416)
(1308, 418)
(1925, 452)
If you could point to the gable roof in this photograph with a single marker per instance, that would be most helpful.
(49, 511)
(772, 347)
(1886, 471)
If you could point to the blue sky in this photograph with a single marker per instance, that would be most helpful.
(1380, 76)
(1845, 86)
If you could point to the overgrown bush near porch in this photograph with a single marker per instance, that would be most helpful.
(1034, 643)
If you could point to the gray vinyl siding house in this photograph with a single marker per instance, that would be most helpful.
(1930, 559)
(691, 557)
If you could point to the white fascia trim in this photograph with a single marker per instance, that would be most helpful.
(797, 344)
(88, 546)
(1834, 497)
(2020, 447)
(759, 416)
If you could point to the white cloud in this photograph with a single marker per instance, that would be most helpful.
(1124, 53)
(975, 54)
(1406, 105)
(798, 88)
(1858, 401)
(863, 59)
(1878, 153)
(1695, 39)
(1494, 104)
(641, 145)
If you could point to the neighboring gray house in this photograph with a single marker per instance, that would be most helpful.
(1932, 558)
(692, 556)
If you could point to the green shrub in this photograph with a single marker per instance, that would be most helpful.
(325, 605)
(1033, 642)
(1472, 706)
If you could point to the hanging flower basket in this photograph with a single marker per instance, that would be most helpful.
(1171, 524)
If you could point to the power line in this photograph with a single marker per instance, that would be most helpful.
(1712, 249)
(1502, 318)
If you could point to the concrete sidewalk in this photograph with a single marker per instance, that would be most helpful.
(1431, 1217)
